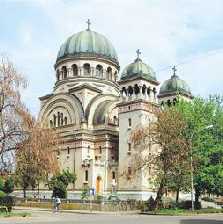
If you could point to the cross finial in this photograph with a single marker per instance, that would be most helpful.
(88, 24)
(138, 53)
(174, 70)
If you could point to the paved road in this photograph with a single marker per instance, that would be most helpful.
(44, 217)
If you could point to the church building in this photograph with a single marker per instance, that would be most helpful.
(95, 106)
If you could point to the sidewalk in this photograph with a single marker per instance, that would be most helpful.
(77, 211)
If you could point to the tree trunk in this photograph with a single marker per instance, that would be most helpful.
(177, 195)
(197, 195)
(24, 192)
(159, 195)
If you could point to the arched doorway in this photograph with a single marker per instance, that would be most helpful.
(98, 184)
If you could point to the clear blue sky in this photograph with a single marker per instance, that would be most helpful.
(167, 32)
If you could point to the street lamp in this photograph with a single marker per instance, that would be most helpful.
(191, 166)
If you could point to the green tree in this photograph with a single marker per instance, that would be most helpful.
(59, 183)
(204, 118)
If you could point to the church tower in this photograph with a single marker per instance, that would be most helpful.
(138, 87)
(174, 89)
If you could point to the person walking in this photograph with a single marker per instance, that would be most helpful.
(57, 203)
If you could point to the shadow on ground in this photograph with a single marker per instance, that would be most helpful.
(200, 221)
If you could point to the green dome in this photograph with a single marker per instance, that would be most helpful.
(138, 69)
(88, 43)
(175, 85)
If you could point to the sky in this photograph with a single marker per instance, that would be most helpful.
(186, 33)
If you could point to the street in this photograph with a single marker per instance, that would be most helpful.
(45, 217)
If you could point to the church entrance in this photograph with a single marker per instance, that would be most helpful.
(98, 185)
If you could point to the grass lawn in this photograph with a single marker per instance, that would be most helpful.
(14, 214)
(183, 211)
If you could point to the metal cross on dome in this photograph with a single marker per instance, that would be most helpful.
(138, 53)
(88, 24)
(174, 70)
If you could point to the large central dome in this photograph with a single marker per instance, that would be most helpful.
(88, 43)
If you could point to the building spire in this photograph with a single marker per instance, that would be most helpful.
(88, 24)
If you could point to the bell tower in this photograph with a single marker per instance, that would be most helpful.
(138, 87)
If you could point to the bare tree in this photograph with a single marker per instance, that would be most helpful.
(166, 136)
(11, 111)
(36, 156)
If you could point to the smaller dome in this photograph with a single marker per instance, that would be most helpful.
(138, 69)
(175, 85)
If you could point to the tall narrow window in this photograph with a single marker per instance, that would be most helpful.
(68, 150)
(88, 149)
(51, 123)
(87, 69)
(99, 71)
(54, 120)
(58, 119)
(129, 171)
(75, 70)
(100, 150)
(113, 175)
(64, 72)
(129, 147)
(86, 175)
(130, 122)
(65, 120)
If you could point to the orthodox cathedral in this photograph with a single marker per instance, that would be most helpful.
(94, 108)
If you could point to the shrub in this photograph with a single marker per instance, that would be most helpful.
(7, 201)
(187, 205)
(208, 199)
(2, 194)
(9, 185)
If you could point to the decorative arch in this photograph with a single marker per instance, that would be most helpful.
(94, 104)
(65, 102)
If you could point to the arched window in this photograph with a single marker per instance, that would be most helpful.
(65, 120)
(61, 119)
(113, 175)
(136, 89)
(75, 70)
(54, 120)
(116, 76)
(143, 89)
(58, 119)
(124, 92)
(58, 75)
(174, 101)
(154, 91)
(87, 69)
(99, 71)
(64, 72)
(109, 73)
(148, 91)
(168, 103)
(115, 120)
(51, 123)
(130, 90)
